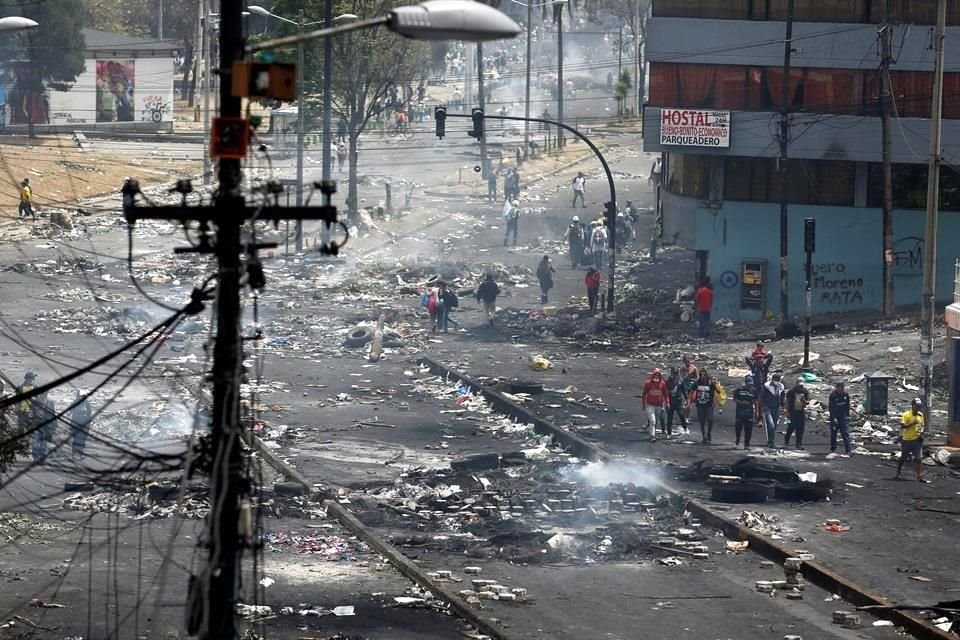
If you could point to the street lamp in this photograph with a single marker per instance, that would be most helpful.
(432, 20)
(558, 8)
(16, 23)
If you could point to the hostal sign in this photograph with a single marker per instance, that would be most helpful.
(694, 128)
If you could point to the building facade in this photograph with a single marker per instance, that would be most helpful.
(126, 85)
(714, 112)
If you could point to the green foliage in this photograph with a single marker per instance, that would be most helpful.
(622, 88)
(54, 50)
(140, 18)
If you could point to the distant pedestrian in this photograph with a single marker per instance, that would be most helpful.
(592, 280)
(492, 185)
(515, 184)
(80, 417)
(487, 294)
(574, 237)
(519, 156)
(676, 402)
(342, 131)
(656, 174)
(704, 300)
(26, 200)
(797, 400)
(446, 301)
(545, 273)
(44, 425)
(839, 407)
(579, 189)
(688, 370)
(759, 362)
(341, 156)
(598, 244)
(507, 185)
(704, 396)
(653, 400)
(25, 408)
(772, 401)
(745, 397)
(911, 439)
(512, 218)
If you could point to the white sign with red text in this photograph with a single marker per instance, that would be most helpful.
(694, 128)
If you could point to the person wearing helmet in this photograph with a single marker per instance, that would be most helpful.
(839, 405)
(574, 236)
(512, 218)
(745, 397)
(797, 400)
(654, 401)
(911, 439)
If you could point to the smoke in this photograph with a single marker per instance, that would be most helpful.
(600, 474)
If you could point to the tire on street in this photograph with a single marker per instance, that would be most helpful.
(740, 493)
(359, 337)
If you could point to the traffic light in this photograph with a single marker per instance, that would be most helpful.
(440, 117)
(809, 235)
(477, 124)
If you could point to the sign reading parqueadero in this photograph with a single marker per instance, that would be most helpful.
(695, 128)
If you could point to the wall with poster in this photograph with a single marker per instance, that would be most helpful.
(114, 91)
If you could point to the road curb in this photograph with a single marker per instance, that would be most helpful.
(394, 556)
(814, 572)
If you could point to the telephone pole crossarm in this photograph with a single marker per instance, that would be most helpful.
(326, 213)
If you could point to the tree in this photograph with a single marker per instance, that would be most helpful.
(621, 90)
(367, 63)
(635, 15)
(52, 56)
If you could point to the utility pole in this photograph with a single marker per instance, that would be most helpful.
(784, 196)
(526, 108)
(483, 134)
(301, 123)
(160, 21)
(928, 306)
(638, 80)
(327, 91)
(222, 572)
(885, 98)
(559, 14)
(205, 27)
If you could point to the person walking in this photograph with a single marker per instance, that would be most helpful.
(839, 407)
(487, 294)
(772, 402)
(579, 189)
(574, 237)
(341, 131)
(507, 185)
(592, 280)
(911, 439)
(25, 408)
(492, 185)
(545, 273)
(515, 184)
(26, 200)
(745, 397)
(80, 417)
(512, 218)
(689, 371)
(797, 400)
(759, 362)
(653, 400)
(704, 301)
(598, 244)
(704, 396)
(446, 302)
(676, 402)
(341, 156)
(44, 423)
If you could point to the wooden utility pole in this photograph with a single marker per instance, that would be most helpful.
(784, 196)
(483, 134)
(885, 102)
(928, 306)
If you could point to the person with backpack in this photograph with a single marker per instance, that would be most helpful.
(512, 218)
(487, 293)
(545, 273)
(446, 301)
(80, 417)
(574, 237)
(677, 402)
(772, 402)
(705, 394)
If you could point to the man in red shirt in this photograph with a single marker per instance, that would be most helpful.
(704, 299)
(592, 280)
(654, 401)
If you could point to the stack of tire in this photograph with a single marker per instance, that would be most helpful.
(764, 479)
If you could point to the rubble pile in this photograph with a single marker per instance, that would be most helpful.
(332, 548)
(143, 501)
(530, 513)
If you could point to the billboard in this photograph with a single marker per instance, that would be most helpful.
(115, 90)
(694, 128)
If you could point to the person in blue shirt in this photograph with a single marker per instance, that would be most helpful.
(839, 404)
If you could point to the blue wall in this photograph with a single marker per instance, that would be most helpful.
(847, 263)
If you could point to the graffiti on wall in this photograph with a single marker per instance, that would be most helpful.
(834, 286)
(908, 257)
(153, 108)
